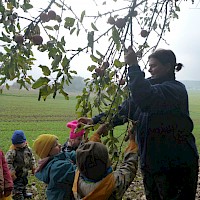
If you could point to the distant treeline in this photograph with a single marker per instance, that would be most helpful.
(77, 84)
(192, 85)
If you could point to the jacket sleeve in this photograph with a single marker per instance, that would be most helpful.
(1, 173)
(169, 95)
(10, 156)
(72, 156)
(127, 171)
(95, 137)
(33, 161)
(61, 173)
(125, 111)
(8, 183)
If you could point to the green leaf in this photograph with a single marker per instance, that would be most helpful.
(5, 38)
(116, 38)
(40, 82)
(69, 22)
(111, 89)
(59, 74)
(90, 38)
(46, 71)
(59, 5)
(52, 52)
(155, 25)
(178, 8)
(73, 71)
(18, 26)
(56, 61)
(100, 54)
(106, 140)
(63, 41)
(49, 28)
(78, 31)
(175, 15)
(26, 7)
(72, 30)
(64, 94)
(82, 16)
(56, 27)
(65, 62)
(2, 80)
(28, 81)
(94, 59)
(7, 86)
(2, 9)
(94, 27)
(61, 46)
(44, 92)
(118, 64)
(91, 68)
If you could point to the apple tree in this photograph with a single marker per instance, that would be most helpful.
(61, 33)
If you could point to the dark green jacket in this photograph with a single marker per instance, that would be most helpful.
(58, 173)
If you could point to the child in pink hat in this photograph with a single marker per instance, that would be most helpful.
(75, 138)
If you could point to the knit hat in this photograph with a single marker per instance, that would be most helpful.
(92, 160)
(18, 137)
(73, 125)
(43, 144)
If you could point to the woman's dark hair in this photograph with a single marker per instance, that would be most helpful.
(165, 57)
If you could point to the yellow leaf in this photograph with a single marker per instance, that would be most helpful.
(10, 6)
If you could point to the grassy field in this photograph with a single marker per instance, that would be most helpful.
(21, 110)
(194, 105)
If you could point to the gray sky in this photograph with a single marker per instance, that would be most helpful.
(183, 40)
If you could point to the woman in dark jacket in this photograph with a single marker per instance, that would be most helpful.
(168, 153)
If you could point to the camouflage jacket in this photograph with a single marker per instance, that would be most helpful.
(123, 176)
(20, 161)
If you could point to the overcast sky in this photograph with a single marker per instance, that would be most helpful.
(183, 40)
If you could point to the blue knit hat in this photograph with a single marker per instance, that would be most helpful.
(18, 137)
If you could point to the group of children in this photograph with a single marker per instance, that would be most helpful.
(75, 170)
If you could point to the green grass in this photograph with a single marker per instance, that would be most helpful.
(20, 109)
(194, 106)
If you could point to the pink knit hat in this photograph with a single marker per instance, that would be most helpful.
(73, 125)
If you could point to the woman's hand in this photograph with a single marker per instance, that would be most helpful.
(85, 120)
(130, 56)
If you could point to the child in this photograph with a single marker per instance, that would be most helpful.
(95, 178)
(20, 160)
(75, 138)
(6, 183)
(56, 168)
